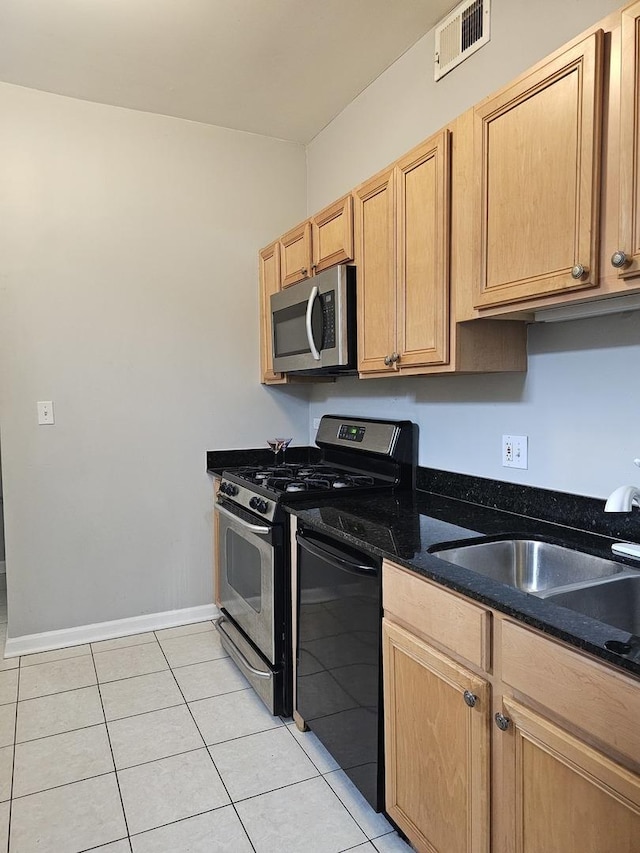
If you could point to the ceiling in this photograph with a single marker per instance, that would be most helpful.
(283, 68)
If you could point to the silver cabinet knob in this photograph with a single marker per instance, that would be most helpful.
(502, 722)
(395, 356)
(620, 260)
(304, 271)
(470, 698)
(387, 360)
(579, 272)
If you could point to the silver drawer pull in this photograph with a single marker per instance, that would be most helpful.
(254, 528)
(257, 672)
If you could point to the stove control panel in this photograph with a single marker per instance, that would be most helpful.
(350, 432)
(259, 504)
(246, 497)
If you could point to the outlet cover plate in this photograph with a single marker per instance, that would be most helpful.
(515, 451)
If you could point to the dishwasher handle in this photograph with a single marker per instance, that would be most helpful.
(342, 563)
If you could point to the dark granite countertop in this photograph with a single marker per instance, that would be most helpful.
(403, 526)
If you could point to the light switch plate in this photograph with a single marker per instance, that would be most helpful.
(45, 412)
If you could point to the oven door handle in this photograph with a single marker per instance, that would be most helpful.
(312, 344)
(338, 562)
(218, 625)
(254, 528)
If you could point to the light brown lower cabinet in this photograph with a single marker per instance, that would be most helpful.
(545, 758)
(561, 794)
(437, 718)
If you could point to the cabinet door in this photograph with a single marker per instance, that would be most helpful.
(332, 235)
(436, 747)
(630, 142)
(295, 248)
(537, 149)
(423, 253)
(562, 795)
(269, 283)
(376, 283)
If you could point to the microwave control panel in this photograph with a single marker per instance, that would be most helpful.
(329, 319)
(349, 432)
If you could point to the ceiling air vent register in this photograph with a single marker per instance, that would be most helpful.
(461, 33)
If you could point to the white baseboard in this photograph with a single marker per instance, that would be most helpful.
(30, 643)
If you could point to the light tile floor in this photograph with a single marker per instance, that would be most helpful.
(155, 743)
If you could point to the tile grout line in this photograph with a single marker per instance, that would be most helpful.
(207, 748)
(13, 762)
(113, 759)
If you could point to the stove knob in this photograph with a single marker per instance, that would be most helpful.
(223, 488)
(231, 489)
(264, 507)
(259, 505)
(254, 503)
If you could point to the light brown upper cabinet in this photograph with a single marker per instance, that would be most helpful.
(626, 256)
(295, 249)
(402, 247)
(423, 192)
(332, 235)
(269, 259)
(376, 263)
(537, 160)
(318, 243)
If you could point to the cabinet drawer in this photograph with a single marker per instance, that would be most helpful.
(602, 702)
(437, 614)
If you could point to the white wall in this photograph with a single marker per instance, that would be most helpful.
(128, 296)
(404, 105)
(578, 403)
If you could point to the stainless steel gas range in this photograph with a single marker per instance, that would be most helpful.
(253, 538)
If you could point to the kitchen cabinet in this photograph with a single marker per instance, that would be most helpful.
(402, 240)
(570, 752)
(422, 266)
(295, 248)
(412, 285)
(375, 261)
(320, 242)
(437, 720)
(269, 262)
(552, 738)
(332, 235)
(537, 160)
(626, 255)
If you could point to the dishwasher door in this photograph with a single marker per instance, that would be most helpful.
(338, 677)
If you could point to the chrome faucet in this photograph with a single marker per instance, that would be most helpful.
(624, 498)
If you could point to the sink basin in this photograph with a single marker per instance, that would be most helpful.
(615, 602)
(528, 564)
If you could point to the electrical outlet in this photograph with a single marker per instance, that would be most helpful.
(45, 412)
(514, 451)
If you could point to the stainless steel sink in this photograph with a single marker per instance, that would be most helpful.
(615, 602)
(528, 564)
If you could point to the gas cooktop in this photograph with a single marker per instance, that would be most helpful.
(358, 454)
(317, 477)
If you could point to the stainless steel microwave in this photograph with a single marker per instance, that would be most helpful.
(314, 324)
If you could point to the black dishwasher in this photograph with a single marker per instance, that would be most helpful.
(338, 676)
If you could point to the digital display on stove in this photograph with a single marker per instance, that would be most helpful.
(351, 433)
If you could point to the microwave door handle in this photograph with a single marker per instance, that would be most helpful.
(312, 344)
(254, 528)
(333, 560)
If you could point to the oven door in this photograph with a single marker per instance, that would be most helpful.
(247, 561)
